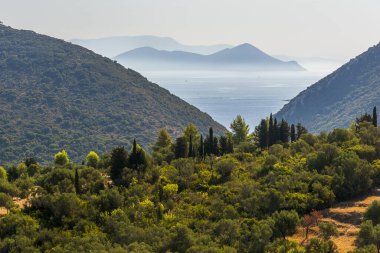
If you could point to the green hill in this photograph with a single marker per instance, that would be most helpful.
(55, 95)
(337, 99)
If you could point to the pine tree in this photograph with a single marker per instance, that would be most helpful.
(374, 116)
(240, 129)
(271, 131)
(292, 133)
(76, 182)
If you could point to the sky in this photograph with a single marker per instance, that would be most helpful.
(335, 29)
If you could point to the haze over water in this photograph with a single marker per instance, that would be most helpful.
(254, 95)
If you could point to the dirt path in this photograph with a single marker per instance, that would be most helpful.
(347, 216)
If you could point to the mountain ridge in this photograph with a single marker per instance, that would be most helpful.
(115, 45)
(55, 95)
(244, 56)
(337, 99)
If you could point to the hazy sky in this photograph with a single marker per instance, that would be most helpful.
(325, 28)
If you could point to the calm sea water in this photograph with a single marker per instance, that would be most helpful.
(223, 95)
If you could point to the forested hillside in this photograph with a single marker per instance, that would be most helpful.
(336, 100)
(195, 193)
(55, 95)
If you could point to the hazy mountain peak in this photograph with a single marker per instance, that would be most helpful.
(116, 45)
(243, 57)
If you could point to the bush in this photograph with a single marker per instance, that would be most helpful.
(285, 223)
(373, 212)
(327, 230)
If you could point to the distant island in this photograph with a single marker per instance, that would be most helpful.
(242, 57)
(113, 46)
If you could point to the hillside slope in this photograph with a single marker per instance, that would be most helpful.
(55, 95)
(241, 57)
(336, 100)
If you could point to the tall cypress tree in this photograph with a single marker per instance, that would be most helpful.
(119, 160)
(271, 131)
(300, 130)
(292, 133)
(191, 150)
(215, 146)
(180, 148)
(284, 131)
(230, 144)
(276, 131)
(223, 145)
(76, 182)
(201, 148)
(261, 133)
(374, 116)
(137, 160)
(209, 143)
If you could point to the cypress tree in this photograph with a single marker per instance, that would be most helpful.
(374, 116)
(134, 149)
(223, 145)
(300, 130)
(271, 131)
(215, 146)
(201, 148)
(180, 148)
(191, 150)
(211, 140)
(284, 131)
(230, 145)
(76, 182)
(119, 160)
(262, 134)
(292, 133)
(276, 131)
(137, 160)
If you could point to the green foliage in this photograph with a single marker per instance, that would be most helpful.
(3, 174)
(369, 234)
(373, 213)
(246, 201)
(119, 161)
(169, 190)
(92, 159)
(6, 201)
(162, 149)
(61, 158)
(321, 246)
(240, 130)
(181, 148)
(285, 223)
(327, 230)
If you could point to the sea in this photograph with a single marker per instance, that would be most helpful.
(226, 94)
